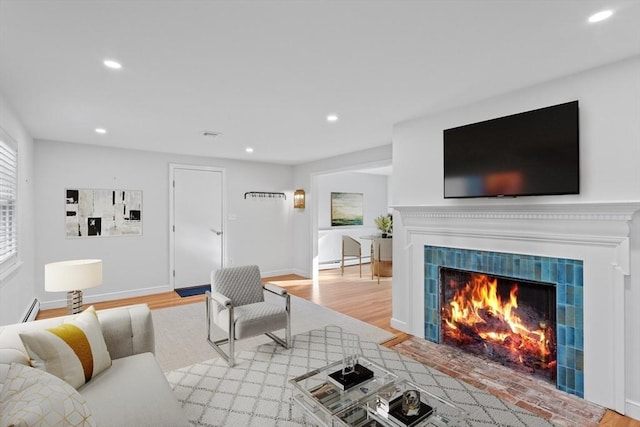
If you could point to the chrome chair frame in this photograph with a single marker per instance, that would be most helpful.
(220, 299)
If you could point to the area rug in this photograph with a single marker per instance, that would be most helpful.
(256, 392)
(194, 290)
(184, 328)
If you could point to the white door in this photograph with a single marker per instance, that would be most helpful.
(197, 225)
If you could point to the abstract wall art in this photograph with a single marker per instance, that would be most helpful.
(346, 209)
(101, 213)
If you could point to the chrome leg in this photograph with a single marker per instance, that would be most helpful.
(207, 306)
(288, 331)
(232, 336)
(216, 344)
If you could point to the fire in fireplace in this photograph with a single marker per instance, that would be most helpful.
(508, 320)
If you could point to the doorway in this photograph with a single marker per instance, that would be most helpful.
(197, 226)
(371, 180)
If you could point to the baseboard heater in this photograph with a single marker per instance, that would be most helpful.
(32, 311)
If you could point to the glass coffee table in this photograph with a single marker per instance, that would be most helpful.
(366, 404)
(319, 398)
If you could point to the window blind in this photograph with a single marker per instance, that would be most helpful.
(8, 192)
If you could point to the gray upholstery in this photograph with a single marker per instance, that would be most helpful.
(236, 304)
(255, 319)
(127, 330)
(133, 392)
(242, 285)
(351, 248)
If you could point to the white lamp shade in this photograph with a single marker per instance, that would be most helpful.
(72, 275)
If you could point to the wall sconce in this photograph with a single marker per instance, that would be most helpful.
(298, 199)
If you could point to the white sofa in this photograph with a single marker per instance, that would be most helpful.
(134, 390)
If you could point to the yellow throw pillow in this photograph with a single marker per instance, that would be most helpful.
(74, 351)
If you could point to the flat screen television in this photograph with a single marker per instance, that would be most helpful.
(533, 153)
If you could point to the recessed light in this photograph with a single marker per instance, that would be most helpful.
(600, 16)
(249, 150)
(332, 118)
(112, 64)
(101, 130)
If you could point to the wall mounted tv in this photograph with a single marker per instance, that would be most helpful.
(527, 154)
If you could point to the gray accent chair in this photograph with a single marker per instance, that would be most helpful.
(351, 248)
(236, 304)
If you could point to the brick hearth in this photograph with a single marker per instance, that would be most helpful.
(530, 393)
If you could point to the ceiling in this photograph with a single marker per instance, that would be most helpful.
(265, 74)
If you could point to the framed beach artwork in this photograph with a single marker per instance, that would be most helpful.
(101, 213)
(346, 209)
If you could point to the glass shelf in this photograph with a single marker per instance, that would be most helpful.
(361, 405)
(307, 390)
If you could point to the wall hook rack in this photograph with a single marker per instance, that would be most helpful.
(265, 194)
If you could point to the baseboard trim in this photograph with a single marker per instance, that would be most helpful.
(274, 273)
(400, 325)
(89, 299)
(632, 409)
(299, 272)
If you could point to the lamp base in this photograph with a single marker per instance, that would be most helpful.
(74, 302)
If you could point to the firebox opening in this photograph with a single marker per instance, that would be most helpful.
(507, 320)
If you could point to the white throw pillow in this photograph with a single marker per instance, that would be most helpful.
(74, 351)
(7, 357)
(31, 397)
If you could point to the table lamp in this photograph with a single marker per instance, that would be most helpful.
(72, 277)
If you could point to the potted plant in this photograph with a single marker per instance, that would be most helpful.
(385, 224)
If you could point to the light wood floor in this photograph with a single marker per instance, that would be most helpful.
(359, 297)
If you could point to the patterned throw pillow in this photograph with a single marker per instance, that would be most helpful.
(31, 397)
(74, 351)
(7, 357)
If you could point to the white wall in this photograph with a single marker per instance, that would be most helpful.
(137, 265)
(609, 157)
(305, 221)
(609, 134)
(375, 203)
(17, 289)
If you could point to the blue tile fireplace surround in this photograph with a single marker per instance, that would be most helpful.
(566, 274)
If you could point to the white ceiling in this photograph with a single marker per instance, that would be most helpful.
(266, 73)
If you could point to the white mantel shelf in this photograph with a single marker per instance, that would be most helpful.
(607, 211)
(604, 223)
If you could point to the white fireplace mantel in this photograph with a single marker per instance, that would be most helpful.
(585, 210)
(593, 224)
(596, 233)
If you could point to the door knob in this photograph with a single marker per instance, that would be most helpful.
(218, 233)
